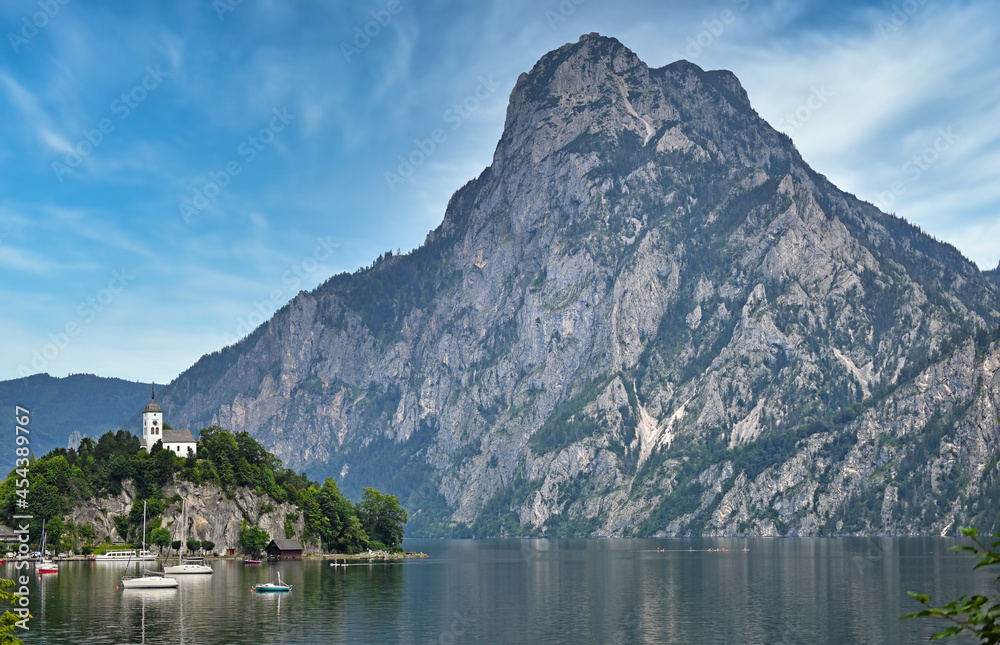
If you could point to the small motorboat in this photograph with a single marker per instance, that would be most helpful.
(251, 562)
(271, 587)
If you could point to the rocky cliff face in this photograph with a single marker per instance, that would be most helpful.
(648, 316)
(210, 514)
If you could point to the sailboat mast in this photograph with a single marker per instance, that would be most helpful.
(183, 529)
(143, 525)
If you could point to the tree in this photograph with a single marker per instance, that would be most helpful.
(252, 539)
(344, 532)
(976, 614)
(8, 620)
(194, 545)
(382, 518)
(208, 545)
(88, 533)
(160, 537)
(176, 545)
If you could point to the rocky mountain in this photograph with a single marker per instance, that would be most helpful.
(648, 316)
(994, 275)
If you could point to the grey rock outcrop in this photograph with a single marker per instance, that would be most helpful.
(648, 316)
(210, 514)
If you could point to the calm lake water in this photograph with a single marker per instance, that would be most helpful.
(841, 590)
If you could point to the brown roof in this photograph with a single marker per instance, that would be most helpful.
(286, 545)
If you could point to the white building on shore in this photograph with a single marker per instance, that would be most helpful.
(180, 441)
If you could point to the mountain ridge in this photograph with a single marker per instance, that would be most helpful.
(84, 404)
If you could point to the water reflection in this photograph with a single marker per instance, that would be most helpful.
(537, 591)
(140, 626)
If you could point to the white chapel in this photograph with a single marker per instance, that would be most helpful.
(180, 441)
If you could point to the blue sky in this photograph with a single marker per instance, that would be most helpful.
(173, 173)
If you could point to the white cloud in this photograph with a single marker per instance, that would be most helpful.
(892, 94)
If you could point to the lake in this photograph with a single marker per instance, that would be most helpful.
(833, 590)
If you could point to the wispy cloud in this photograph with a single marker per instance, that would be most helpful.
(33, 115)
(890, 93)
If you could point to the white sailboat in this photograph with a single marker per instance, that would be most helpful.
(149, 579)
(46, 564)
(183, 567)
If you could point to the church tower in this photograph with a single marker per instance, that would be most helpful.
(152, 423)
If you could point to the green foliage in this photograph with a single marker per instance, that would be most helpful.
(160, 536)
(63, 478)
(684, 499)
(382, 517)
(8, 621)
(340, 529)
(208, 545)
(252, 539)
(129, 527)
(394, 286)
(195, 545)
(401, 469)
(499, 516)
(977, 615)
(568, 423)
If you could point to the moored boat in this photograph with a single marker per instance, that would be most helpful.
(129, 555)
(45, 564)
(151, 580)
(271, 587)
(186, 566)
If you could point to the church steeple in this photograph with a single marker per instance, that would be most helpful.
(152, 421)
(181, 442)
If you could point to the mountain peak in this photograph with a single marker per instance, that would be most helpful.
(597, 95)
(650, 315)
